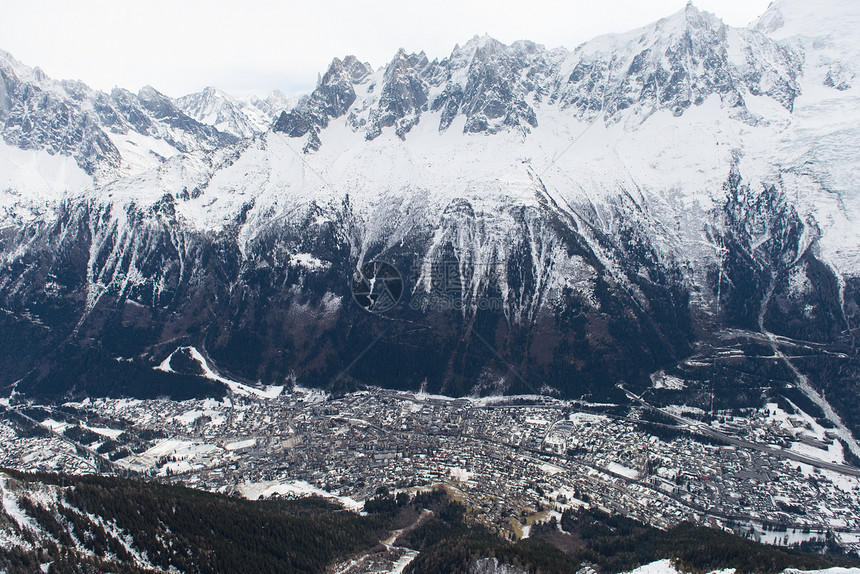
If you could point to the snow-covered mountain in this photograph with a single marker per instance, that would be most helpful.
(108, 135)
(242, 118)
(675, 63)
(563, 221)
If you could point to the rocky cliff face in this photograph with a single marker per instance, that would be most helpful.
(331, 99)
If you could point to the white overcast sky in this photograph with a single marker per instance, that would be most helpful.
(254, 46)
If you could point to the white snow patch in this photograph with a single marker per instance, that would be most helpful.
(241, 444)
(622, 470)
(10, 505)
(32, 183)
(56, 426)
(460, 474)
(104, 431)
(267, 392)
(299, 488)
(664, 566)
(404, 561)
(309, 262)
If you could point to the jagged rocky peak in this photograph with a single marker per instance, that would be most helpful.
(675, 63)
(672, 64)
(404, 95)
(690, 18)
(356, 70)
(483, 47)
(485, 80)
(275, 99)
(274, 104)
(499, 83)
(122, 112)
(9, 65)
(487, 49)
(239, 117)
(333, 96)
(169, 123)
(335, 89)
(40, 114)
(155, 101)
(405, 64)
(204, 102)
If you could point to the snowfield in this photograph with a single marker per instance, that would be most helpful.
(297, 489)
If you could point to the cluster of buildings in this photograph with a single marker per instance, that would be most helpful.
(512, 462)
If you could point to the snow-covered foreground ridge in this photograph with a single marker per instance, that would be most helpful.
(668, 567)
(562, 220)
(109, 523)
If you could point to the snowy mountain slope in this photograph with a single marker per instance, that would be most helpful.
(562, 221)
(242, 118)
(33, 183)
(108, 135)
(676, 63)
(821, 141)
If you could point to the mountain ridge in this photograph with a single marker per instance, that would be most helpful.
(562, 222)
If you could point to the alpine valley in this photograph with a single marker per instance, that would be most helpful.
(659, 230)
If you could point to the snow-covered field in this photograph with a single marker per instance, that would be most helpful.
(174, 456)
(296, 489)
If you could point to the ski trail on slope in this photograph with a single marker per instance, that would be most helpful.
(803, 381)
